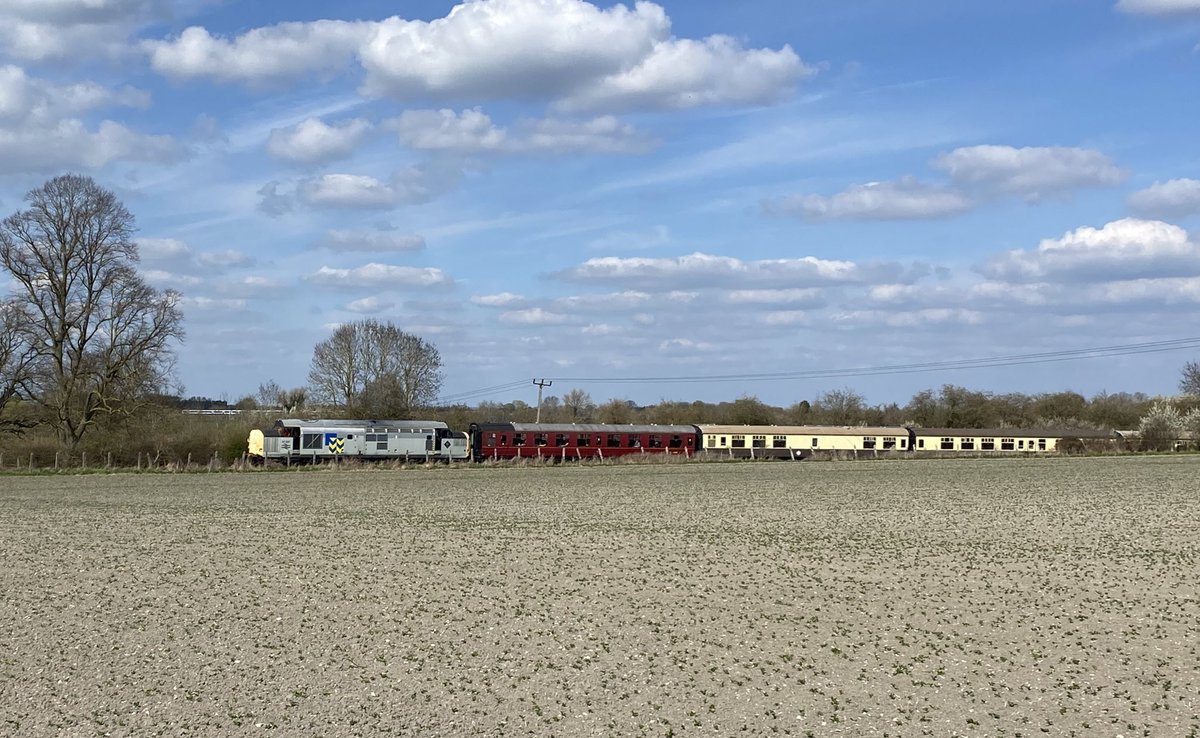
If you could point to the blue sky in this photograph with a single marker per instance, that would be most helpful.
(581, 191)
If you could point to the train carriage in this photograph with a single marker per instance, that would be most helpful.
(568, 441)
(1007, 440)
(799, 441)
(314, 441)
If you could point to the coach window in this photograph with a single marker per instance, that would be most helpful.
(738, 442)
(583, 440)
(1007, 444)
(633, 442)
(947, 444)
(724, 441)
(1041, 444)
(869, 442)
(889, 442)
(675, 442)
(518, 439)
(779, 442)
(968, 444)
(491, 440)
(758, 442)
(614, 440)
(1021, 444)
(987, 444)
(814, 443)
(539, 439)
(920, 443)
(560, 439)
(655, 441)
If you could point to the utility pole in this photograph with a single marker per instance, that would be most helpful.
(540, 384)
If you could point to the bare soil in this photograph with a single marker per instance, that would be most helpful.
(992, 597)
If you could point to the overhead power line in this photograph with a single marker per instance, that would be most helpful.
(1042, 357)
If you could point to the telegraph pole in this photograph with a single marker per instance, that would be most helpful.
(540, 384)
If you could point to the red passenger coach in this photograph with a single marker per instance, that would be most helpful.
(567, 441)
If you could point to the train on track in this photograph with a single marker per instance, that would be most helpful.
(293, 441)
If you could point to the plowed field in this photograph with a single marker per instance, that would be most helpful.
(998, 597)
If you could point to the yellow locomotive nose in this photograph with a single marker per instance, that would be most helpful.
(254, 444)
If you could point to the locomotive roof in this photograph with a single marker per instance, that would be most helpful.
(805, 430)
(371, 423)
(586, 428)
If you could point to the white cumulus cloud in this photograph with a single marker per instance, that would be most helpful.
(48, 30)
(371, 241)
(502, 299)
(708, 270)
(473, 132)
(313, 141)
(1176, 197)
(380, 275)
(1125, 249)
(570, 52)
(1032, 171)
(40, 130)
(370, 305)
(1159, 7)
(261, 55)
(904, 199)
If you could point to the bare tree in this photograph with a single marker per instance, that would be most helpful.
(375, 369)
(270, 394)
(1189, 381)
(579, 406)
(840, 407)
(16, 356)
(100, 335)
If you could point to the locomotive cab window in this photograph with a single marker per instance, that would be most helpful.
(312, 440)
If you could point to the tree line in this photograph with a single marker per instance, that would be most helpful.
(86, 344)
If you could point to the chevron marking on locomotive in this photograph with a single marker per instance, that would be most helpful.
(334, 444)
